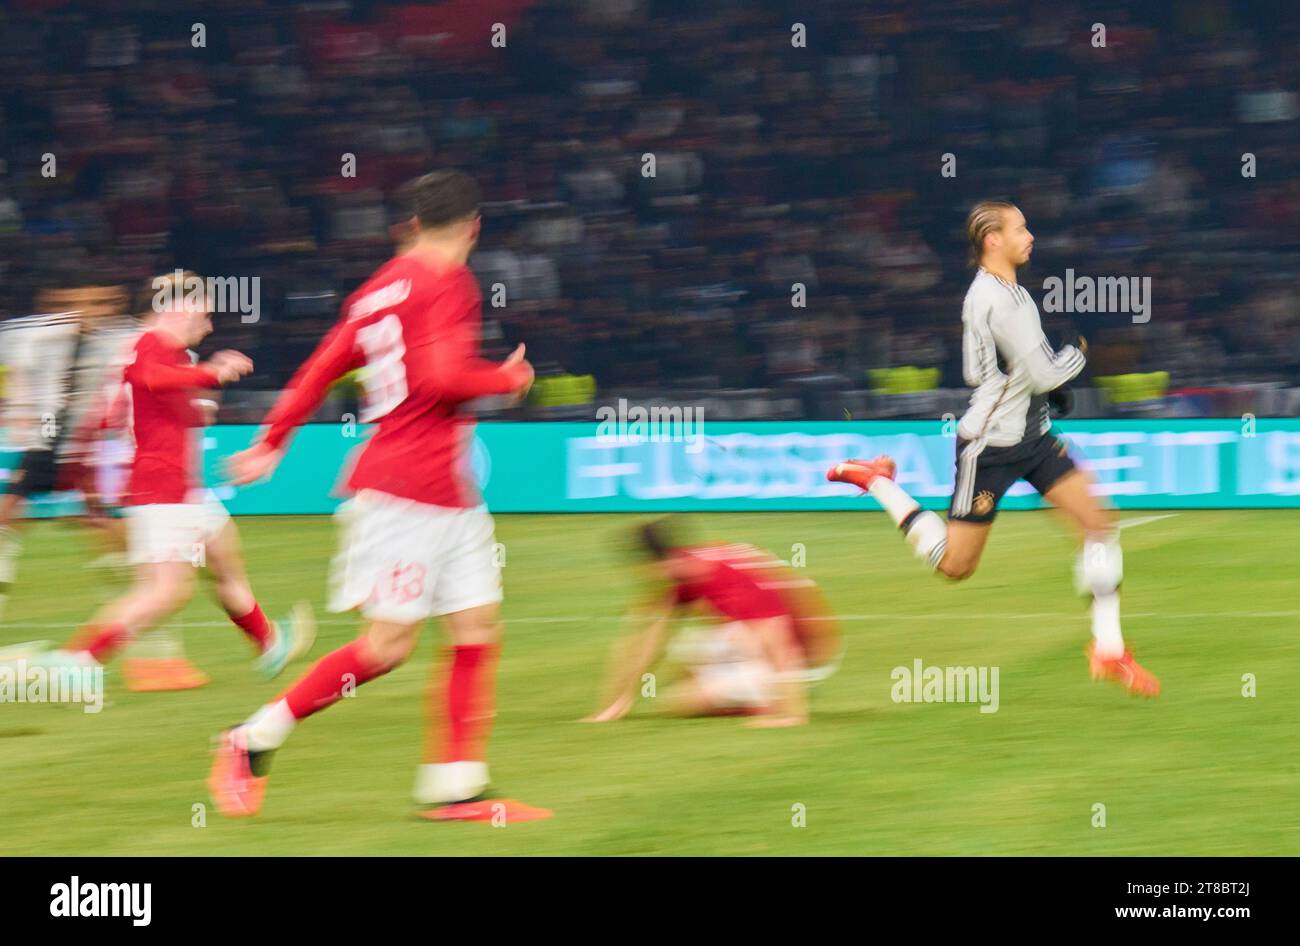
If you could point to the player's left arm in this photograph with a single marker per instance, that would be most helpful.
(459, 375)
(453, 363)
(1019, 336)
(631, 657)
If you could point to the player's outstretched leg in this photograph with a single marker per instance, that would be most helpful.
(460, 712)
(277, 642)
(1098, 572)
(925, 531)
(160, 590)
(243, 757)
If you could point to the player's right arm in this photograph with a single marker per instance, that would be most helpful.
(1019, 336)
(335, 356)
(151, 371)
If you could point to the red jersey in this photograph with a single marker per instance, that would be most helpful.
(414, 333)
(743, 583)
(159, 383)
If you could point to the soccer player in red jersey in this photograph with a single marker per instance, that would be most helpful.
(417, 539)
(777, 636)
(173, 526)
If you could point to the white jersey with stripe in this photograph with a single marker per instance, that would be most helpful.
(38, 352)
(1008, 361)
(57, 375)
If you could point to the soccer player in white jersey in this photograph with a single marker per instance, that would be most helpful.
(1005, 435)
(57, 360)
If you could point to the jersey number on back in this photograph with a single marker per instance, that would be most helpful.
(384, 375)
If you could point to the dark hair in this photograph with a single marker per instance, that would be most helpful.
(984, 218)
(658, 538)
(53, 275)
(443, 197)
(400, 204)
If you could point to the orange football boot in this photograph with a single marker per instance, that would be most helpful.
(1124, 670)
(160, 674)
(235, 790)
(861, 472)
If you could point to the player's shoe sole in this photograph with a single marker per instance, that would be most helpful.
(861, 473)
(235, 790)
(500, 811)
(1125, 671)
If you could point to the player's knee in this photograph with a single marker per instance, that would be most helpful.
(173, 591)
(490, 631)
(476, 626)
(1100, 520)
(1100, 566)
(957, 569)
(393, 645)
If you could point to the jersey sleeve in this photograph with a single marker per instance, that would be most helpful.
(979, 363)
(334, 357)
(152, 372)
(455, 369)
(1019, 336)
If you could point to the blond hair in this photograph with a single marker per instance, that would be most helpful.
(170, 284)
(985, 218)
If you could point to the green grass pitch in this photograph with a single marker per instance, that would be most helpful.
(1209, 597)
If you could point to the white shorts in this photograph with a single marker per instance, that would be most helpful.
(173, 532)
(727, 665)
(111, 461)
(403, 561)
(737, 684)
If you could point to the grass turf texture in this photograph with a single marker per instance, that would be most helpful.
(1201, 770)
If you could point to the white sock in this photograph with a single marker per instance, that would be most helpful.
(269, 727)
(1105, 625)
(889, 494)
(925, 532)
(442, 783)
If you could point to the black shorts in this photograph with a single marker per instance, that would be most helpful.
(36, 473)
(985, 473)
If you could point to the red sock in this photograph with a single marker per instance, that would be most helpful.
(107, 642)
(322, 685)
(255, 625)
(470, 704)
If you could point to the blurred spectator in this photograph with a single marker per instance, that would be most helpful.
(660, 175)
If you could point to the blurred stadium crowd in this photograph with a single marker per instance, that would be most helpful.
(775, 164)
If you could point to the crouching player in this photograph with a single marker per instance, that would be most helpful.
(776, 635)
